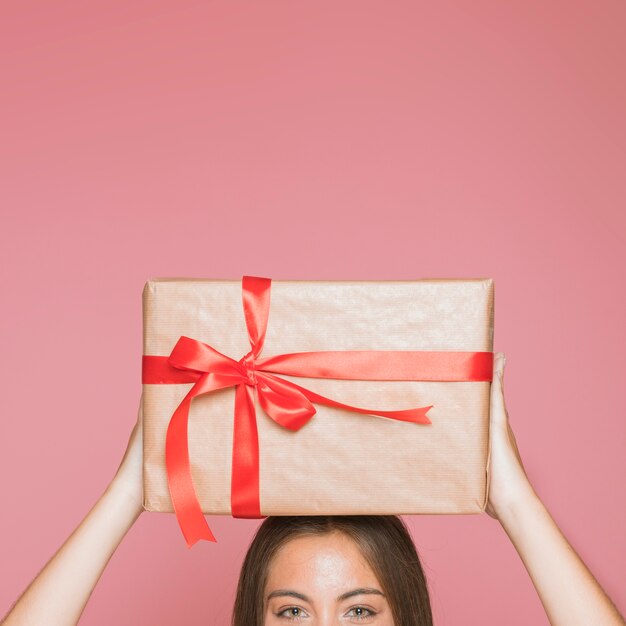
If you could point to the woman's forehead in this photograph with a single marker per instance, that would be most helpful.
(320, 562)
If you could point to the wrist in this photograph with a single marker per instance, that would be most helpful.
(127, 495)
(513, 511)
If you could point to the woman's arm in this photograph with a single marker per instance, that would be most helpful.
(58, 594)
(570, 595)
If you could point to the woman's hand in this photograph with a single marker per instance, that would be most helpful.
(129, 475)
(508, 482)
(58, 594)
(570, 594)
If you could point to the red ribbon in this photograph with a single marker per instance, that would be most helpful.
(286, 403)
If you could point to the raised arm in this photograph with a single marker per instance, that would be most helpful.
(570, 594)
(58, 594)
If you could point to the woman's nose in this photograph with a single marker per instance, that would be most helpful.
(328, 618)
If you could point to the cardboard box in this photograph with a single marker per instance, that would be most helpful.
(340, 461)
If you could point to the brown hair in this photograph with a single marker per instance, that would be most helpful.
(384, 541)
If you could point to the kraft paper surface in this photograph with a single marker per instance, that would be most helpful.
(339, 462)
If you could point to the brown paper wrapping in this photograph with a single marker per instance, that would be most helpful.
(339, 462)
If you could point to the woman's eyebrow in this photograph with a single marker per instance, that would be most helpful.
(344, 596)
(360, 591)
(287, 592)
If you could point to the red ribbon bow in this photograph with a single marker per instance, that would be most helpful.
(285, 402)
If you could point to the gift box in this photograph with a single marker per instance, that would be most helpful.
(308, 397)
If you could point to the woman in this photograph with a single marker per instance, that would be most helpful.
(360, 569)
(332, 570)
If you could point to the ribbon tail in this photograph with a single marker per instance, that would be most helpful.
(244, 495)
(180, 481)
(417, 415)
(184, 498)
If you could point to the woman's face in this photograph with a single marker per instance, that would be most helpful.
(323, 580)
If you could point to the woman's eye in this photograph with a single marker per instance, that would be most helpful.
(360, 612)
(293, 613)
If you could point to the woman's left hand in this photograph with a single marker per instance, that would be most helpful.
(508, 482)
(569, 592)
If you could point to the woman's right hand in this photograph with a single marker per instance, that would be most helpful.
(60, 591)
(129, 475)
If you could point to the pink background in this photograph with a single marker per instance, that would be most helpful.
(339, 140)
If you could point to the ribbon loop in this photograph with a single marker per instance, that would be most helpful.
(190, 354)
(284, 402)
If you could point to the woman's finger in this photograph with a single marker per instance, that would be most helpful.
(498, 408)
(140, 410)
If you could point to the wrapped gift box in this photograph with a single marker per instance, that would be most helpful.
(340, 461)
